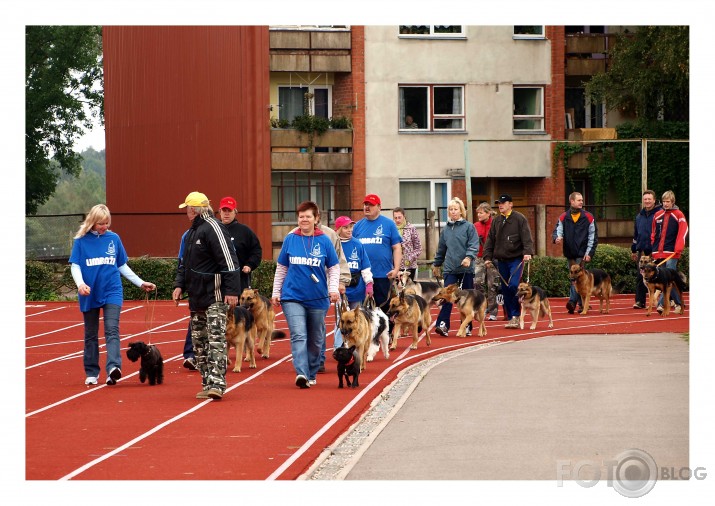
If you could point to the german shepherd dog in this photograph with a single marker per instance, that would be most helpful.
(263, 316)
(472, 305)
(366, 329)
(348, 365)
(665, 280)
(591, 282)
(425, 289)
(240, 334)
(533, 299)
(410, 311)
(151, 365)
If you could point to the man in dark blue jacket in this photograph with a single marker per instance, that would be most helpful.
(577, 230)
(642, 228)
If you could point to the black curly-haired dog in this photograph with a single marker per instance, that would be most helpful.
(348, 365)
(151, 365)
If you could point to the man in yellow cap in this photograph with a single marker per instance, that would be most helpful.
(209, 273)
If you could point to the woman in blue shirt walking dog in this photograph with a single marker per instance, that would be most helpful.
(98, 258)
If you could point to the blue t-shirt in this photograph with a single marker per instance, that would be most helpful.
(357, 261)
(99, 258)
(377, 237)
(305, 256)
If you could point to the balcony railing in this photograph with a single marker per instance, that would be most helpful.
(587, 53)
(291, 150)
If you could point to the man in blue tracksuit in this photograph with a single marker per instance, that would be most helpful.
(642, 228)
(576, 229)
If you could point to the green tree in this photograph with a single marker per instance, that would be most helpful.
(77, 194)
(63, 92)
(649, 72)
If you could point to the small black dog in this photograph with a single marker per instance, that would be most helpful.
(348, 365)
(152, 364)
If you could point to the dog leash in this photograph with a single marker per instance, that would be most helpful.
(666, 259)
(506, 283)
(149, 315)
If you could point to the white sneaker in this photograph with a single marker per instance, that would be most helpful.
(513, 323)
(492, 317)
(91, 380)
(114, 375)
(442, 329)
(301, 381)
(312, 382)
(678, 309)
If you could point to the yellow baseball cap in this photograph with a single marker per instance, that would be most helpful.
(195, 199)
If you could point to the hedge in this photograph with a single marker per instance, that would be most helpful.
(48, 281)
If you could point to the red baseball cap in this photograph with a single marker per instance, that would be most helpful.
(228, 202)
(372, 199)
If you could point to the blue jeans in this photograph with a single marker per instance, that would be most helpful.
(111, 337)
(307, 336)
(450, 279)
(671, 264)
(188, 344)
(573, 296)
(511, 271)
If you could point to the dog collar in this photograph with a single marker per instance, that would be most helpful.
(352, 361)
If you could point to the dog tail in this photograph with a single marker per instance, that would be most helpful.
(681, 280)
(277, 334)
(618, 288)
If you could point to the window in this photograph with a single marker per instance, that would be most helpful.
(528, 108)
(292, 101)
(432, 31)
(432, 195)
(288, 189)
(431, 108)
(529, 32)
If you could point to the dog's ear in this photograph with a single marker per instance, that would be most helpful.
(352, 348)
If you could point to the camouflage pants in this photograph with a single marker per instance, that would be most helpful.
(488, 280)
(208, 333)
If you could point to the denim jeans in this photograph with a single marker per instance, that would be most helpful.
(511, 271)
(337, 338)
(573, 296)
(111, 337)
(671, 264)
(467, 281)
(307, 335)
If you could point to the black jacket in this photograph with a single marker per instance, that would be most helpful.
(209, 268)
(508, 238)
(247, 246)
(576, 236)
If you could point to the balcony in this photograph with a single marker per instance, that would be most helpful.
(310, 50)
(580, 160)
(587, 53)
(290, 150)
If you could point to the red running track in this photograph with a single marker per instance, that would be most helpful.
(264, 428)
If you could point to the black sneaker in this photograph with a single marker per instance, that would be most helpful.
(190, 364)
(301, 381)
(469, 332)
(570, 306)
(638, 305)
(321, 369)
(441, 329)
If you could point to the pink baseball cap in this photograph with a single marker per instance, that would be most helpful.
(342, 221)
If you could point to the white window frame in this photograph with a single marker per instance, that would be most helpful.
(540, 117)
(529, 36)
(432, 34)
(431, 115)
(433, 204)
(311, 89)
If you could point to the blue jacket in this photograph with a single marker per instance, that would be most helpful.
(580, 238)
(458, 239)
(642, 228)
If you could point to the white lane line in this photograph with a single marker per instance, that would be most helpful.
(70, 355)
(43, 312)
(75, 325)
(178, 417)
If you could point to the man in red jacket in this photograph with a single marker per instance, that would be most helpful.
(667, 237)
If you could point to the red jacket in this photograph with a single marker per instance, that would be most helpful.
(668, 233)
(482, 231)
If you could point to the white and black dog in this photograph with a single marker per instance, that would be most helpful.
(151, 365)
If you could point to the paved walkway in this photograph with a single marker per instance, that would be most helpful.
(513, 411)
